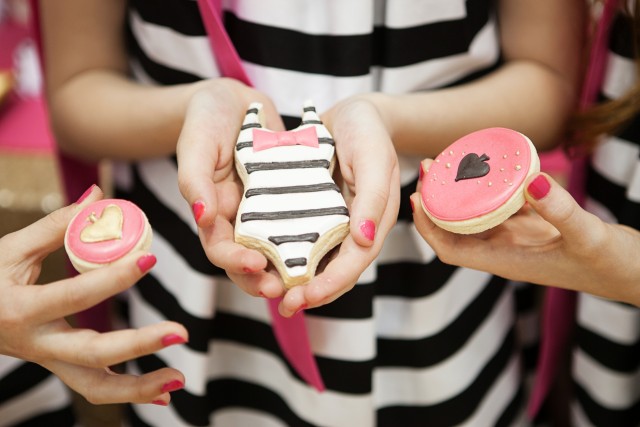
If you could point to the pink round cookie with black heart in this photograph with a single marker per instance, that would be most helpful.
(478, 181)
(104, 232)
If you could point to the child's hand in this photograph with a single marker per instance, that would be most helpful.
(33, 325)
(551, 241)
(210, 184)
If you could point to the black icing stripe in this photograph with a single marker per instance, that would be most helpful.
(303, 164)
(292, 238)
(247, 144)
(329, 141)
(306, 213)
(327, 186)
(295, 262)
(310, 108)
(252, 111)
(311, 122)
(251, 125)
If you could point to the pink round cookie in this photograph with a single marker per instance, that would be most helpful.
(477, 182)
(104, 232)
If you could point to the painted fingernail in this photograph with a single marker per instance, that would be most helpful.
(421, 172)
(86, 194)
(172, 386)
(160, 402)
(368, 229)
(539, 187)
(145, 262)
(247, 270)
(198, 210)
(413, 208)
(302, 307)
(262, 294)
(172, 339)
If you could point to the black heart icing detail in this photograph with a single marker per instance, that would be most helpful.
(472, 166)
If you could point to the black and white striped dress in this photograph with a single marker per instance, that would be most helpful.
(606, 357)
(31, 396)
(416, 342)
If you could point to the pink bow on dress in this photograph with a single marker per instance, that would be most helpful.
(263, 139)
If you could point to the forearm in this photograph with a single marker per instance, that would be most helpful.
(102, 114)
(521, 95)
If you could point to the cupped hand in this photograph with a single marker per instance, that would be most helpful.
(209, 183)
(33, 325)
(369, 170)
(550, 241)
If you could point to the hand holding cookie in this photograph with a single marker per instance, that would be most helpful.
(32, 317)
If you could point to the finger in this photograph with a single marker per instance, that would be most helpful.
(223, 251)
(69, 296)
(44, 236)
(338, 277)
(374, 177)
(265, 284)
(553, 203)
(85, 347)
(424, 168)
(100, 386)
(204, 149)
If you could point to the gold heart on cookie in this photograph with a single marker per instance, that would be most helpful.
(107, 227)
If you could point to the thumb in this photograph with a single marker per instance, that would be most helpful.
(554, 204)
(47, 234)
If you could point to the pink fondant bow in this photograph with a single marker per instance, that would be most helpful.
(264, 139)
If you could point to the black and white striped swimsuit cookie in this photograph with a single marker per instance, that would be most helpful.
(292, 210)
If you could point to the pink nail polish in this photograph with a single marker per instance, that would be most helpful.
(86, 194)
(413, 208)
(172, 386)
(368, 229)
(172, 339)
(145, 262)
(198, 210)
(302, 307)
(247, 270)
(421, 172)
(160, 402)
(539, 187)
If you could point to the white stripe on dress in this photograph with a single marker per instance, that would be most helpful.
(48, 396)
(429, 386)
(191, 54)
(598, 315)
(610, 389)
(415, 318)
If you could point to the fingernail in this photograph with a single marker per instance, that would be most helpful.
(412, 206)
(302, 307)
(539, 187)
(198, 210)
(145, 262)
(172, 386)
(421, 172)
(160, 402)
(368, 229)
(86, 194)
(247, 270)
(261, 294)
(172, 339)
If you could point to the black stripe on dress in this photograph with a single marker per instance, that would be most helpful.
(353, 55)
(460, 407)
(446, 342)
(614, 356)
(614, 197)
(174, 230)
(156, 71)
(21, 379)
(601, 416)
(63, 417)
(179, 15)
(413, 280)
